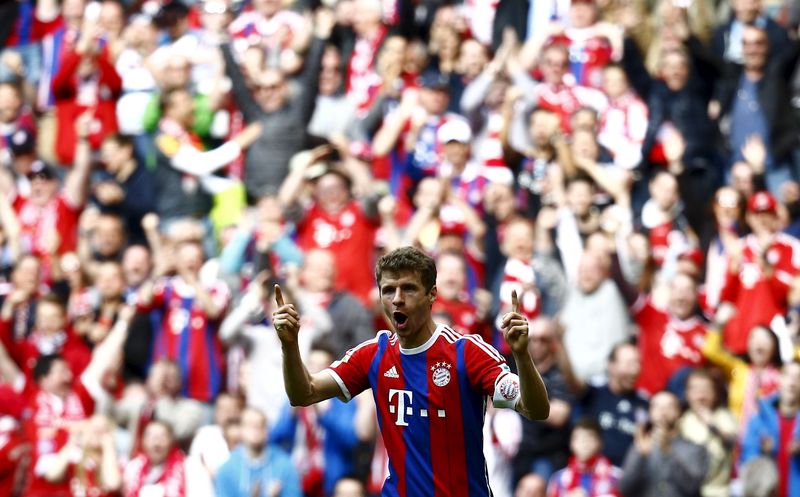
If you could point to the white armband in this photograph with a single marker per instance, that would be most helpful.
(506, 391)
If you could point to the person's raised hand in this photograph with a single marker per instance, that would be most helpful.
(515, 327)
(249, 134)
(285, 318)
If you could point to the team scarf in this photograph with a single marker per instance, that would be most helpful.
(171, 477)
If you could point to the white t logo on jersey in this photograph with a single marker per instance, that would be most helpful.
(401, 409)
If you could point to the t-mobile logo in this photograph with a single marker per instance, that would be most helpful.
(404, 408)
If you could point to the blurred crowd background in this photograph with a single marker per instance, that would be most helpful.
(629, 167)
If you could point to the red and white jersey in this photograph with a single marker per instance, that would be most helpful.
(141, 479)
(462, 313)
(350, 235)
(666, 344)
(479, 15)
(252, 27)
(759, 297)
(519, 275)
(566, 98)
(37, 223)
(362, 78)
(623, 126)
(588, 54)
(48, 420)
(430, 405)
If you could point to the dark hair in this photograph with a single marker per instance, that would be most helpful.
(706, 374)
(408, 259)
(165, 100)
(118, 138)
(612, 356)
(54, 299)
(44, 365)
(322, 345)
(590, 424)
(775, 360)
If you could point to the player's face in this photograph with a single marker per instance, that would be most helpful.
(405, 302)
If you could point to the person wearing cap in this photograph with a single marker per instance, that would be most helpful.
(467, 178)
(761, 268)
(50, 209)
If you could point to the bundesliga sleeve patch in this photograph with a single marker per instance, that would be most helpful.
(506, 391)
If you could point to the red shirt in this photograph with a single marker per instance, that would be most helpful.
(37, 222)
(759, 298)
(463, 315)
(666, 344)
(350, 235)
(783, 458)
(47, 423)
(12, 448)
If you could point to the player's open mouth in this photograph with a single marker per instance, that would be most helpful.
(400, 319)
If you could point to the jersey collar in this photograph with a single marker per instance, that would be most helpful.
(425, 346)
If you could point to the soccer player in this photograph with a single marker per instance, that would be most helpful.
(429, 382)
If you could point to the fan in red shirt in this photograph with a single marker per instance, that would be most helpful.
(54, 402)
(759, 274)
(453, 298)
(159, 468)
(14, 449)
(49, 210)
(88, 461)
(51, 335)
(85, 83)
(336, 222)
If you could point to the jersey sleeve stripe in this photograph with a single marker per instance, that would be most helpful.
(485, 347)
(342, 386)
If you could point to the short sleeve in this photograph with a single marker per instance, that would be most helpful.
(351, 373)
(489, 373)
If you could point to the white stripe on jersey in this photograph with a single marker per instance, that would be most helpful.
(485, 347)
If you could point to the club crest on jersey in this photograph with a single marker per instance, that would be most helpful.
(441, 373)
(508, 388)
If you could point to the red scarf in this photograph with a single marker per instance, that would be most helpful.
(171, 477)
(603, 477)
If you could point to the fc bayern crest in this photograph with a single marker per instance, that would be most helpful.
(441, 374)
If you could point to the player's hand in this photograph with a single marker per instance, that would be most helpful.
(515, 327)
(285, 318)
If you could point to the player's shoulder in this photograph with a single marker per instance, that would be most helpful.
(473, 344)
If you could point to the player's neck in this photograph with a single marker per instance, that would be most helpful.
(419, 338)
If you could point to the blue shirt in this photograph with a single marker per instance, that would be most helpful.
(747, 119)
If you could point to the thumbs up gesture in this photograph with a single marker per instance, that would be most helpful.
(515, 327)
(285, 318)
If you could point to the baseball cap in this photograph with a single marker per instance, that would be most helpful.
(22, 142)
(455, 130)
(434, 80)
(762, 202)
(41, 169)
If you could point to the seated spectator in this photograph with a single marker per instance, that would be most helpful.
(661, 462)
(624, 122)
(19, 299)
(254, 468)
(453, 297)
(160, 467)
(728, 41)
(587, 471)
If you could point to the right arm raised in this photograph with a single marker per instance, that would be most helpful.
(302, 387)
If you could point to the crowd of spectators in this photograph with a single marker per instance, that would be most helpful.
(630, 168)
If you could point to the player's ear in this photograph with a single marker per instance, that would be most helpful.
(432, 294)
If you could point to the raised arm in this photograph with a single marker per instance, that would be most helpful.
(76, 184)
(534, 403)
(109, 351)
(302, 387)
(241, 94)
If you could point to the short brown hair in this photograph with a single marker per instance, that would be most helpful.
(408, 259)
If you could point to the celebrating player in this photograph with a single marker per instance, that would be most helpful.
(429, 382)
